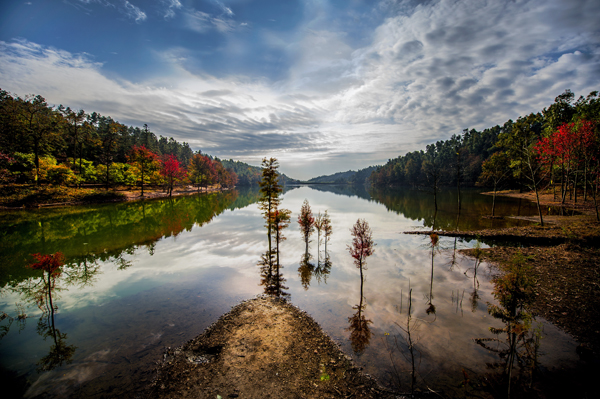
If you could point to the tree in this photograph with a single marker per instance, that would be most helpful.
(362, 243)
(201, 170)
(269, 191)
(145, 161)
(172, 171)
(433, 171)
(306, 222)
(520, 143)
(74, 123)
(327, 229)
(362, 247)
(40, 121)
(281, 221)
(495, 170)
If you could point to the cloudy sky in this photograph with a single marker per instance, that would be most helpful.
(323, 85)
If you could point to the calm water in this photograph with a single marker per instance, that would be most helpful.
(145, 275)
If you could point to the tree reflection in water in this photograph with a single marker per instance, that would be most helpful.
(306, 269)
(514, 291)
(360, 332)
(474, 297)
(434, 244)
(41, 292)
(271, 277)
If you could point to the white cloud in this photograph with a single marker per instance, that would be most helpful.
(133, 12)
(429, 71)
(171, 5)
(226, 10)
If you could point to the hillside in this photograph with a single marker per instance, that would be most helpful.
(249, 175)
(349, 177)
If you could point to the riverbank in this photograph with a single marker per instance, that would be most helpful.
(27, 196)
(262, 348)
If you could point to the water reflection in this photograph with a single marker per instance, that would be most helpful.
(516, 342)
(271, 277)
(434, 244)
(306, 269)
(417, 205)
(42, 292)
(87, 235)
(360, 332)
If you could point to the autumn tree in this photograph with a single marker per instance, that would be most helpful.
(145, 161)
(362, 243)
(362, 247)
(201, 170)
(172, 171)
(306, 221)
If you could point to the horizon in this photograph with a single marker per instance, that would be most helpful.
(323, 86)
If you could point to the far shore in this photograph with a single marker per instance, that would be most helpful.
(52, 196)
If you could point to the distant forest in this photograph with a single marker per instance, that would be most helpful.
(560, 144)
(43, 144)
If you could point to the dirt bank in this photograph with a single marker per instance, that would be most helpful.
(262, 348)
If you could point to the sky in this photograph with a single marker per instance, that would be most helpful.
(322, 85)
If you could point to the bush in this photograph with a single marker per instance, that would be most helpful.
(60, 175)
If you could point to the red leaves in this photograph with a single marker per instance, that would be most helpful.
(362, 243)
(140, 154)
(50, 263)
(306, 221)
(171, 169)
(570, 145)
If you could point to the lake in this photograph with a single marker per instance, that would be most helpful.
(146, 275)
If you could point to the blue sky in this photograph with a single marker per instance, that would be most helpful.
(324, 86)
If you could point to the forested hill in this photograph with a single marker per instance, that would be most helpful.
(349, 177)
(249, 175)
(532, 149)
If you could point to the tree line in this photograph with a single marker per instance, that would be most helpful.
(559, 146)
(44, 144)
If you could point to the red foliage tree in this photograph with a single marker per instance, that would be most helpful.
(172, 171)
(362, 243)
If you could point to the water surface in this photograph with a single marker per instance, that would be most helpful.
(145, 275)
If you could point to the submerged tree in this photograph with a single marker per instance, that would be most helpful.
(306, 221)
(362, 243)
(270, 191)
(362, 247)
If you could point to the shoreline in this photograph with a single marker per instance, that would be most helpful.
(115, 196)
